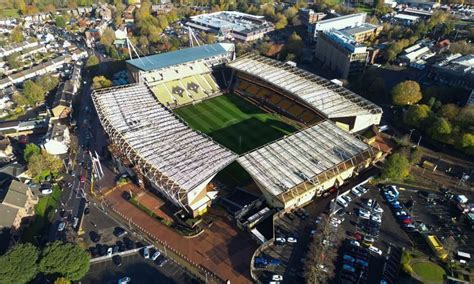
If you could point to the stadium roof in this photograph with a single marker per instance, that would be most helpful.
(170, 154)
(181, 56)
(325, 96)
(301, 157)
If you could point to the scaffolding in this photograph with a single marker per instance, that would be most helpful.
(174, 158)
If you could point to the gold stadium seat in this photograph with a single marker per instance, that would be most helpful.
(162, 94)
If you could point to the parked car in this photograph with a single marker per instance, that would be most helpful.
(291, 240)
(117, 260)
(110, 251)
(356, 192)
(290, 216)
(146, 252)
(348, 258)
(280, 240)
(348, 268)
(155, 255)
(161, 260)
(95, 237)
(124, 280)
(364, 213)
(370, 203)
(341, 201)
(61, 226)
(276, 277)
(375, 250)
(119, 232)
(46, 191)
(347, 198)
(354, 243)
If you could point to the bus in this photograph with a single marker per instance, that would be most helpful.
(437, 247)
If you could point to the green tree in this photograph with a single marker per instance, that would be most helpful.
(107, 38)
(295, 44)
(20, 5)
(19, 99)
(65, 259)
(396, 167)
(47, 82)
(60, 22)
(462, 47)
(16, 35)
(99, 82)
(281, 21)
(44, 164)
(415, 156)
(449, 111)
(466, 143)
(440, 129)
(465, 116)
(92, 61)
(33, 92)
(62, 280)
(406, 93)
(290, 13)
(31, 149)
(13, 60)
(417, 115)
(19, 265)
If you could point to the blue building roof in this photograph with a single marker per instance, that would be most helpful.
(167, 59)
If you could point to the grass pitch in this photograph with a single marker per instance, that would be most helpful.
(234, 122)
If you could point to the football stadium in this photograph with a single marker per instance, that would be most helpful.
(194, 113)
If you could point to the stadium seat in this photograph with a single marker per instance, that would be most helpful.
(162, 94)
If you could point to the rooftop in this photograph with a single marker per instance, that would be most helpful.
(301, 157)
(16, 194)
(177, 159)
(7, 216)
(181, 56)
(346, 41)
(323, 95)
(232, 20)
(359, 29)
(341, 18)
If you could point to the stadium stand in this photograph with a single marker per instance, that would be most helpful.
(177, 161)
(347, 109)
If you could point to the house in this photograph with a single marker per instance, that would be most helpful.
(6, 150)
(57, 139)
(16, 202)
(105, 13)
(62, 104)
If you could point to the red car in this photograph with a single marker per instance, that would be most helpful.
(83, 179)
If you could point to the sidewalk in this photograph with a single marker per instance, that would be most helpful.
(221, 249)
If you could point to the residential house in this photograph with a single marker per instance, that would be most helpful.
(57, 139)
(16, 202)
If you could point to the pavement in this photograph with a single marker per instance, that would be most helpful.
(222, 249)
(139, 270)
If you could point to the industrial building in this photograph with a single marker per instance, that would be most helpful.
(174, 160)
(232, 25)
(456, 71)
(339, 23)
(341, 53)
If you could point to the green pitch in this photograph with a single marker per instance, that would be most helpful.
(234, 122)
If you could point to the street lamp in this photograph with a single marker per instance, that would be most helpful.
(411, 132)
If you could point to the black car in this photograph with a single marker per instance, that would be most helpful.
(94, 251)
(290, 216)
(161, 260)
(95, 237)
(115, 249)
(119, 232)
(87, 211)
(103, 250)
(128, 243)
(121, 245)
(126, 195)
(117, 260)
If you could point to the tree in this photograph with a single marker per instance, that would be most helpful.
(43, 164)
(65, 259)
(417, 115)
(406, 93)
(295, 43)
(19, 99)
(281, 21)
(33, 92)
(92, 61)
(107, 38)
(62, 280)
(20, 5)
(60, 22)
(440, 129)
(13, 61)
(396, 167)
(16, 35)
(449, 111)
(99, 82)
(466, 116)
(290, 13)
(415, 156)
(31, 149)
(466, 143)
(462, 47)
(47, 82)
(18, 265)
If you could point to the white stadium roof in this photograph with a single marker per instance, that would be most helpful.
(325, 96)
(170, 154)
(301, 157)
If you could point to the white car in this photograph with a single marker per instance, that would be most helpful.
(362, 189)
(376, 218)
(354, 243)
(276, 277)
(378, 209)
(110, 251)
(124, 280)
(291, 240)
(280, 240)
(356, 192)
(375, 250)
(336, 220)
(364, 213)
(155, 255)
(370, 202)
(46, 191)
(347, 198)
(341, 201)
(146, 252)
(401, 213)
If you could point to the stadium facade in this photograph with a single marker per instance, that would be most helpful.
(178, 162)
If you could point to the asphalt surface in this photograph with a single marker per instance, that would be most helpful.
(139, 270)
